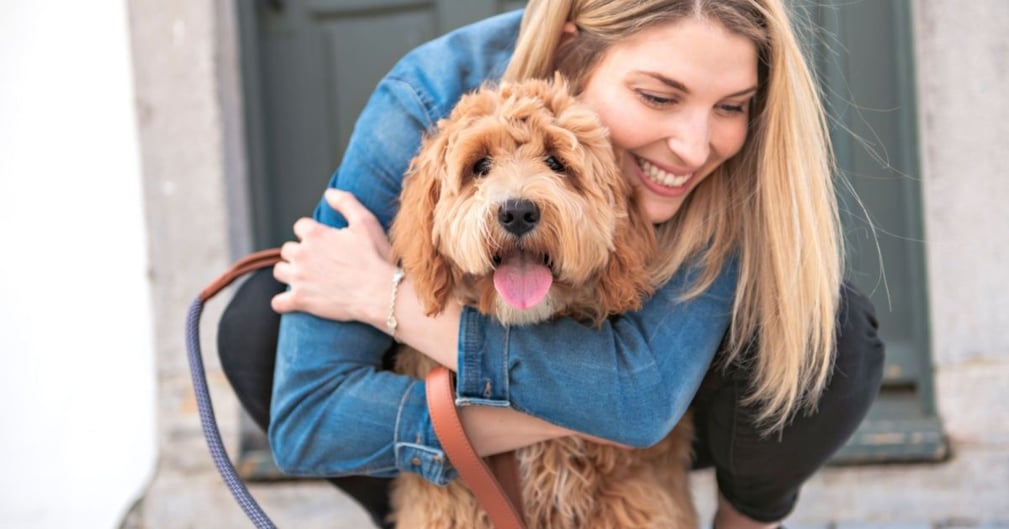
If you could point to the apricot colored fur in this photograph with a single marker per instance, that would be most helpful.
(446, 236)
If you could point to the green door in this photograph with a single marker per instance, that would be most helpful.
(309, 67)
(862, 53)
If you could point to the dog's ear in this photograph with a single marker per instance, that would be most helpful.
(625, 280)
(412, 231)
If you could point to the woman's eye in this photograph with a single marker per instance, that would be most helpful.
(554, 164)
(732, 109)
(656, 101)
(482, 166)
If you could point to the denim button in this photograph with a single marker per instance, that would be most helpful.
(415, 461)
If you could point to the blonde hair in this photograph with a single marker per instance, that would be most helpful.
(772, 205)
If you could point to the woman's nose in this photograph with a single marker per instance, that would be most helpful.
(690, 141)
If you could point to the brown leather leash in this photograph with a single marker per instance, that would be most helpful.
(498, 491)
(501, 499)
(249, 263)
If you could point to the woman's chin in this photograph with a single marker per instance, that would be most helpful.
(658, 209)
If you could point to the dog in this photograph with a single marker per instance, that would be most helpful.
(515, 206)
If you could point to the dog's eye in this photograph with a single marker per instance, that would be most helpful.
(482, 166)
(554, 164)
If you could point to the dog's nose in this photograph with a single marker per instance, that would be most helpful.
(518, 216)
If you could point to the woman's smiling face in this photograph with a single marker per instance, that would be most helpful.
(676, 100)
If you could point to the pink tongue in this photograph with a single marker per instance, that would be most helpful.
(521, 281)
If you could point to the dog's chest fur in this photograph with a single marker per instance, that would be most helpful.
(567, 483)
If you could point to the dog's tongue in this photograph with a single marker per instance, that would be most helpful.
(522, 281)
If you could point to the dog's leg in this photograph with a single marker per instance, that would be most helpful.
(573, 484)
(418, 504)
(671, 460)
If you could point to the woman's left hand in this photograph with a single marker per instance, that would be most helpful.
(337, 273)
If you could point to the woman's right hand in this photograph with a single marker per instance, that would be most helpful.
(340, 274)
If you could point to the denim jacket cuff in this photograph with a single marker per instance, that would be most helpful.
(417, 447)
(482, 377)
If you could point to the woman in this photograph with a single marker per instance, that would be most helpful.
(723, 138)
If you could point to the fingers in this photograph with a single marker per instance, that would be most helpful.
(282, 272)
(290, 301)
(289, 250)
(347, 205)
(306, 227)
(307, 264)
(282, 303)
(359, 218)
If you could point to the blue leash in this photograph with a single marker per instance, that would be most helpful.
(203, 402)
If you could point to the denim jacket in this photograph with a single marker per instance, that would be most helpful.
(336, 412)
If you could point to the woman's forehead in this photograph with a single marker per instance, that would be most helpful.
(698, 54)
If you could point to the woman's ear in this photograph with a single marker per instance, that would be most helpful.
(412, 231)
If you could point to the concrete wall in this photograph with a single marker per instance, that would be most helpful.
(192, 150)
(963, 57)
(77, 384)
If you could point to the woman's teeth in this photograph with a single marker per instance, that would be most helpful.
(662, 177)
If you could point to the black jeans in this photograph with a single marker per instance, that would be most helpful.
(759, 476)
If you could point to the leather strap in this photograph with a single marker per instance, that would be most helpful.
(501, 500)
(505, 468)
(249, 263)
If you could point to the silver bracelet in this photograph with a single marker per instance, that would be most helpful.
(391, 324)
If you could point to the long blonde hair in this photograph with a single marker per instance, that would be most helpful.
(772, 205)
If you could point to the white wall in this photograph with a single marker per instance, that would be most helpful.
(77, 382)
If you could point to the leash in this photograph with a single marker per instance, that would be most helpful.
(501, 499)
(208, 420)
(497, 491)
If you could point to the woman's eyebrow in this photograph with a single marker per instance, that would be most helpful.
(744, 92)
(673, 83)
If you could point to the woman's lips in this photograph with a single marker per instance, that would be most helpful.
(660, 181)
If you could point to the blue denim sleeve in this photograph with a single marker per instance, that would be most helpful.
(639, 370)
(334, 410)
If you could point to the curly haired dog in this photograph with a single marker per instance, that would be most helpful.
(515, 206)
